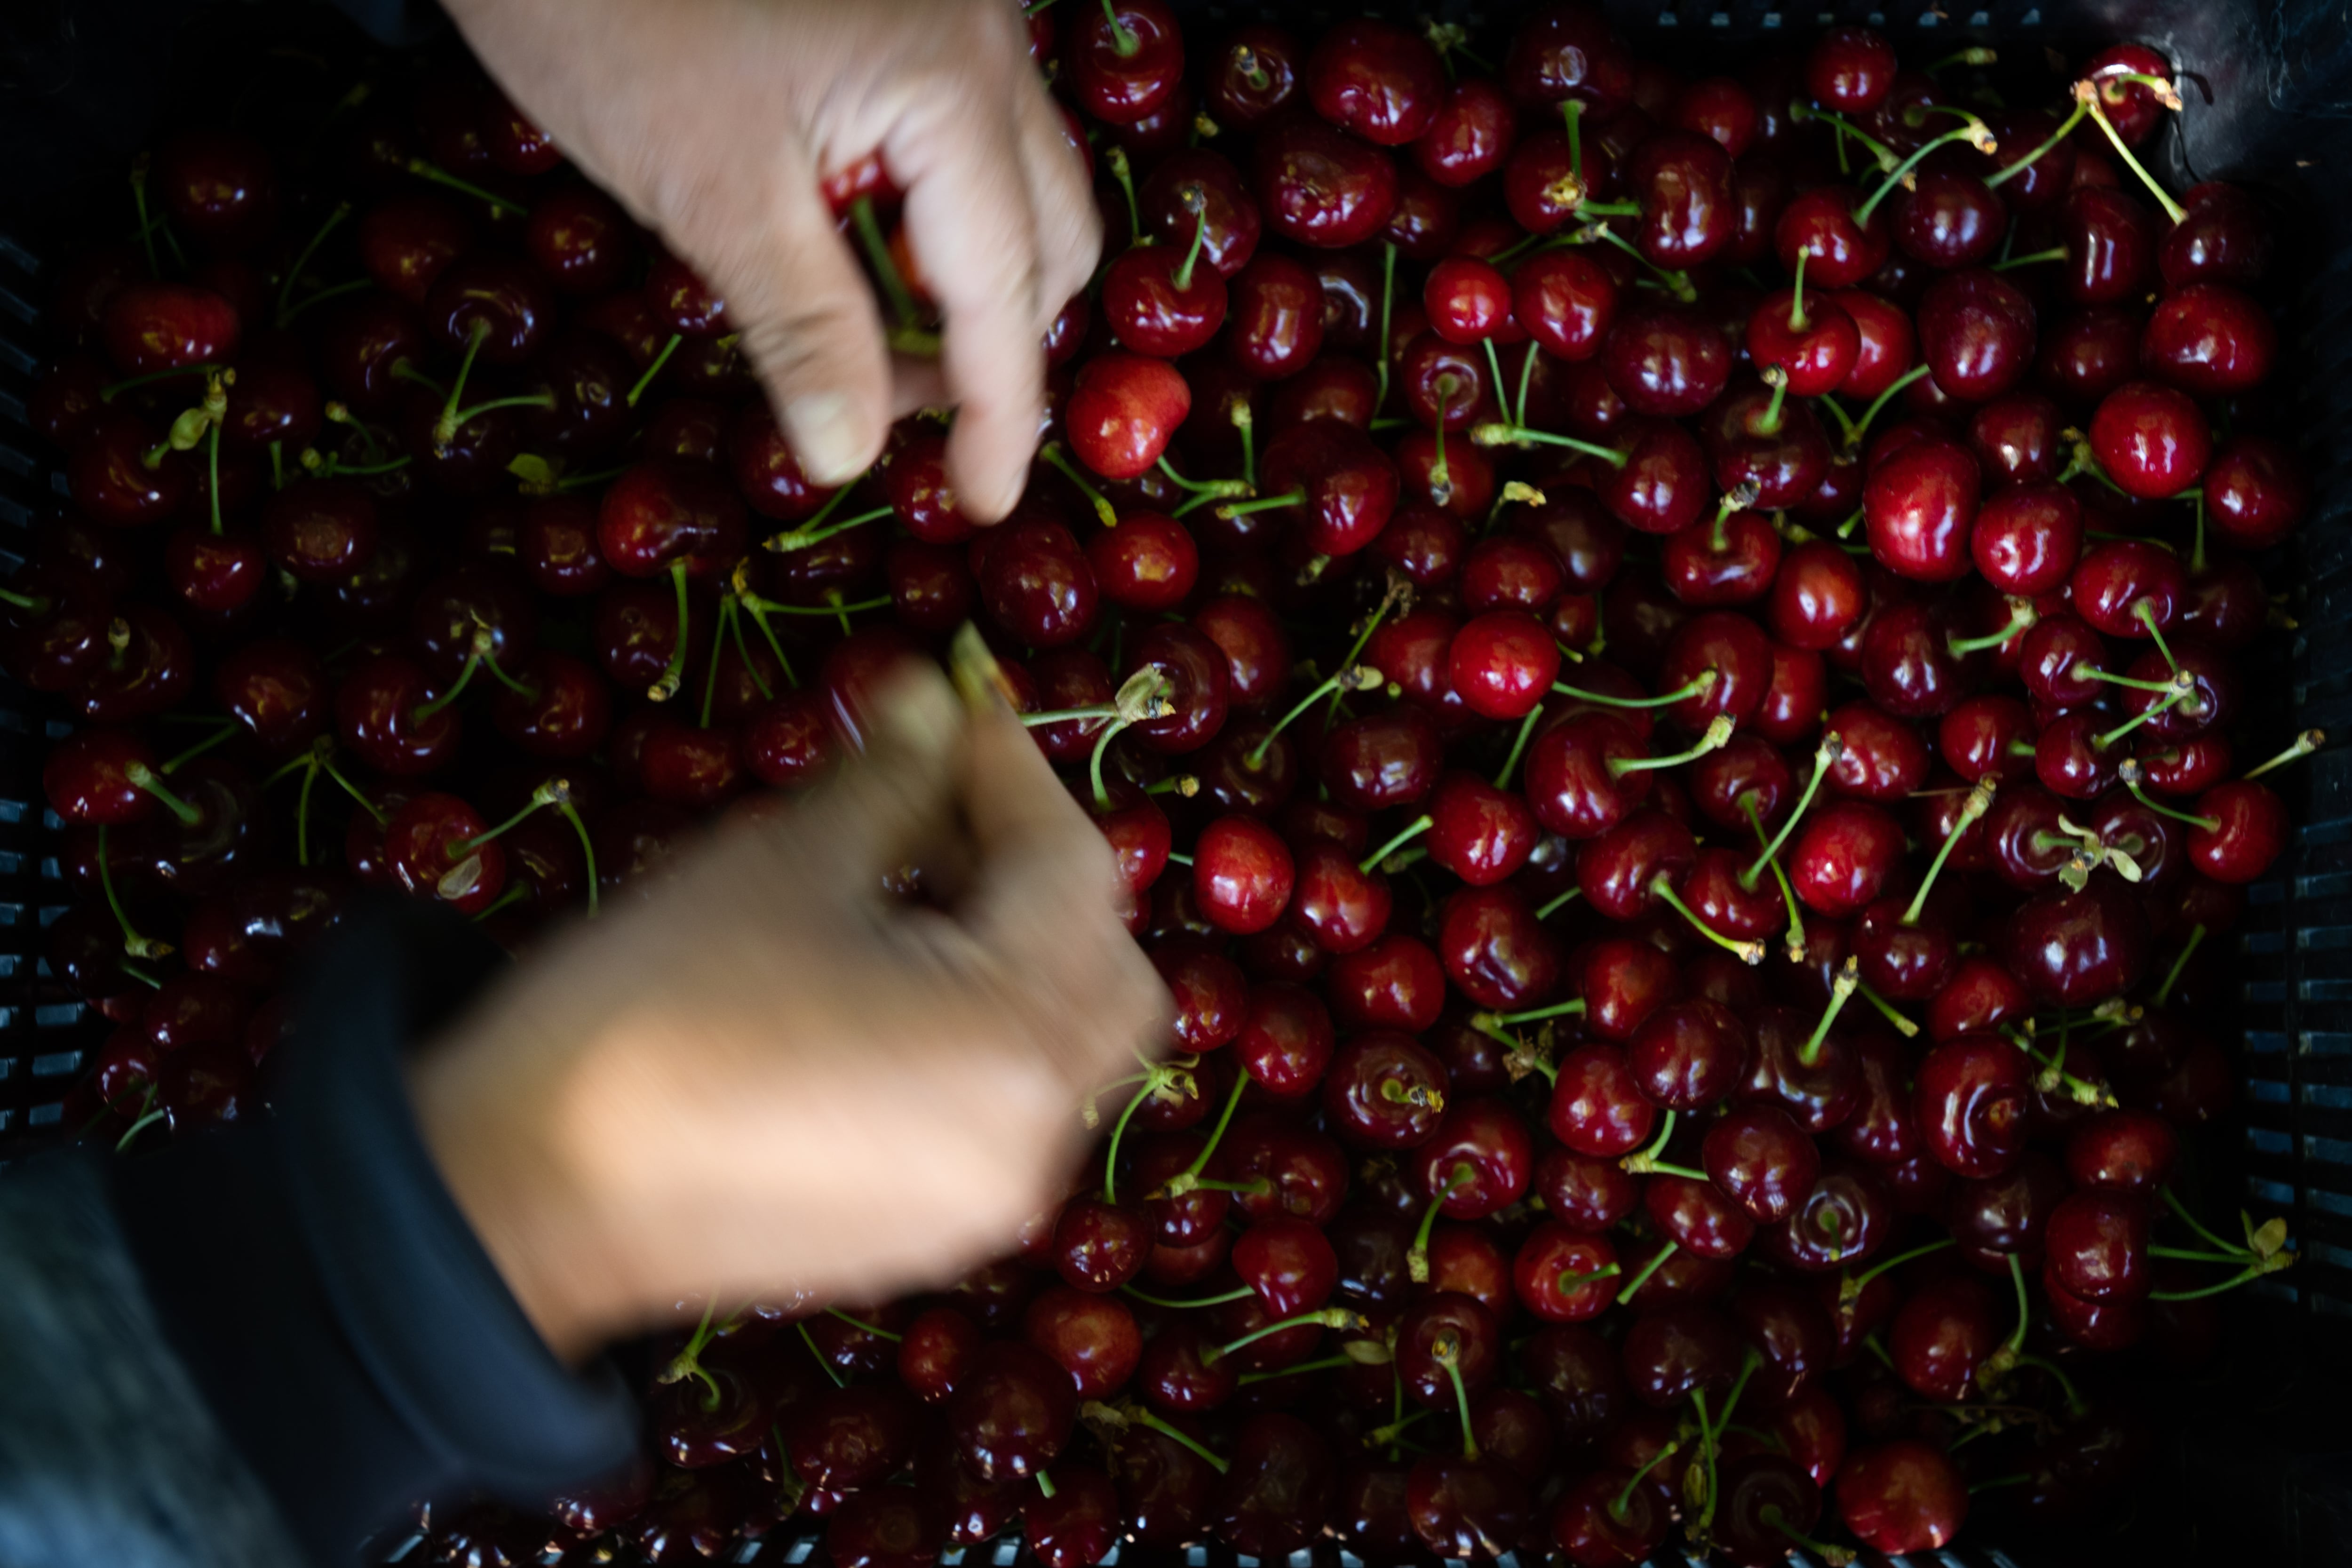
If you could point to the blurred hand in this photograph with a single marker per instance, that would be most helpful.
(712, 122)
(767, 1076)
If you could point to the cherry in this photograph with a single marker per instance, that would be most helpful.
(1977, 334)
(1011, 1413)
(2255, 491)
(2241, 831)
(1469, 136)
(1918, 508)
(1948, 218)
(1319, 187)
(1840, 250)
(2076, 949)
(2223, 237)
(1850, 69)
(2027, 538)
(1243, 874)
(1279, 1486)
(1759, 1155)
(1122, 412)
(1377, 80)
(386, 712)
(2151, 439)
(1126, 62)
(1160, 301)
(2109, 244)
(1035, 583)
(1971, 1092)
(1663, 361)
(1382, 1091)
(1597, 1109)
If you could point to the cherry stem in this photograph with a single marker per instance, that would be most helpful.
(810, 1339)
(1626, 1495)
(2021, 616)
(2155, 710)
(2209, 824)
(1045, 1481)
(1232, 509)
(730, 618)
(440, 176)
(1149, 1085)
(545, 794)
(2176, 1206)
(1496, 433)
(147, 1119)
(1142, 1417)
(1559, 903)
(1862, 426)
(445, 429)
(139, 203)
(227, 727)
(2086, 93)
(1635, 1287)
(1778, 380)
(863, 1326)
(1718, 731)
(2304, 745)
(2172, 975)
(1972, 810)
(148, 781)
(1796, 936)
(1700, 685)
(1642, 1161)
(1447, 1352)
(674, 673)
(28, 602)
(1844, 128)
(2065, 128)
(1183, 277)
(1841, 989)
(1242, 1294)
(1518, 746)
(1835, 1556)
(1535, 1015)
(133, 944)
(1252, 71)
(2244, 1276)
(877, 248)
(1973, 131)
(1851, 1288)
(1903, 1025)
(1192, 1173)
(2157, 686)
(655, 369)
(1750, 952)
(1420, 825)
(2187, 1254)
(1416, 1258)
(2055, 253)
(1328, 1364)
(1123, 38)
(1564, 1280)
(1352, 676)
(1798, 322)
(1323, 1317)
(571, 814)
(2075, 1406)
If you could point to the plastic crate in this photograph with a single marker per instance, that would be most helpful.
(2257, 1466)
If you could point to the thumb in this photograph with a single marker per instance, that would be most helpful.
(902, 796)
(810, 329)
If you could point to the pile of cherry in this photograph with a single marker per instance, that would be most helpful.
(1661, 657)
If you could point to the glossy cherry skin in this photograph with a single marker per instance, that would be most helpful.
(1570, 782)
(2255, 491)
(1665, 361)
(1279, 1488)
(1850, 69)
(1597, 1109)
(1383, 1091)
(2026, 537)
(2152, 439)
(1919, 508)
(1123, 70)
(1012, 1412)
(1375, 79)
(1243, 874)
(1123, 411)
(1321, 188)
(1970, 1094)
(1156, 307)
(1839, 252)
(1977, 334)
(2075, 949)
(2249, 832)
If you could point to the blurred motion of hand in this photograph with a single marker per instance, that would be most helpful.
(767, 1076)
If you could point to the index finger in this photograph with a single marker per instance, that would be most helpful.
(1045, 901)
(974, 229)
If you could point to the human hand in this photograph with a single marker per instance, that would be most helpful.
(768, 1077)
(712, 120)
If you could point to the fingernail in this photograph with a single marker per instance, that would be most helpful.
(918, 712)
(822, 435)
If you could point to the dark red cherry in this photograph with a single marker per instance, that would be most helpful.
(1376, 79)
(1319, 187)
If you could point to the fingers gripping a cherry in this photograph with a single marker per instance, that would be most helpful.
(1654, 666)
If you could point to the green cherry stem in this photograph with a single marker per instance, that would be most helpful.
(1825, 757)
(1418, 827)
(2086, 93)
(1972, 810)
(1699, 685)
(1633, 1287)
(1840, 990)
